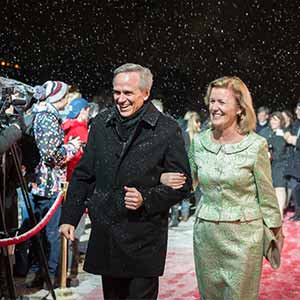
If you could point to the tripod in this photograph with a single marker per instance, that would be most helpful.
(36, 239)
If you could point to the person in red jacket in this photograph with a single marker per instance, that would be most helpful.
(76, 125)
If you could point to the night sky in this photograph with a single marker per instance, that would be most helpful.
(186, 44)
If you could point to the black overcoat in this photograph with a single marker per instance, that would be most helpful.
(293, 164)
(127, 243)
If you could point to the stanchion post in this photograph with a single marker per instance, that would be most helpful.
(64, 262)
(64, 251)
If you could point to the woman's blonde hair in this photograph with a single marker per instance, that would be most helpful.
(246, 120)
(192, 123)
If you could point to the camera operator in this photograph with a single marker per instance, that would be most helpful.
(15, 98)
(10, 135)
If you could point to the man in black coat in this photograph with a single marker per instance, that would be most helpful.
(129, 147)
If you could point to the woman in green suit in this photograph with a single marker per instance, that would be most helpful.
(233, 169)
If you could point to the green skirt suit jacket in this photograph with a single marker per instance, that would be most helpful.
(238, 197)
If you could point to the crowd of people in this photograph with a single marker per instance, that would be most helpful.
(52, 144)
(281, 130)
(137, 171)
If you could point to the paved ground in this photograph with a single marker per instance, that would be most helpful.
(179, 281)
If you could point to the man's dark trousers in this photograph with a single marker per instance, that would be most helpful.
(130, 288)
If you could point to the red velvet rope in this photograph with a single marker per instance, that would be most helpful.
(37, 228)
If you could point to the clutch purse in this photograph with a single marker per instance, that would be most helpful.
(272, 248)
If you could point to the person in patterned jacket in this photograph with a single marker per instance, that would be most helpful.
(50, 173)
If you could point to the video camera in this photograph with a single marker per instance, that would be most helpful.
(15, 93)
(16, 99)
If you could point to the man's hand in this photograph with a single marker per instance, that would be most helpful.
(290, 139)
(173, 180)
(68, 231)
(75, 142)
(18, 121)
(286, 135)
(133, 198)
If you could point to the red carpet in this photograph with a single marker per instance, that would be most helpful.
(284, 283)
(179, 281)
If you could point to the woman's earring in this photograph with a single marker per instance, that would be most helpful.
(241, 115)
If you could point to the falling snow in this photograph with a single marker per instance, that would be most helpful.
(185, 43)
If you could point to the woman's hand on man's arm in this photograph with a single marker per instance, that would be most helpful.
(173, 180)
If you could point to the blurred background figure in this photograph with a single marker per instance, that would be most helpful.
(193, 128)
(262, 118)
(288, 127)
(94, 110)
(76, 125)
(190, 126)
(158, 104)
(292, 171)
(104, 99)
(288, 120)
(73, 93)
(279, 155)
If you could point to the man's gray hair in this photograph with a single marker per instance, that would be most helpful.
(146, 77)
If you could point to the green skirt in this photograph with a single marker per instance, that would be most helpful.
(228, 259)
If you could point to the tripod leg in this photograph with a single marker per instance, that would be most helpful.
(8, 272)
(6, 265)
(37, 238)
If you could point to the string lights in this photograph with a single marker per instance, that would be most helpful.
(7, 64)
